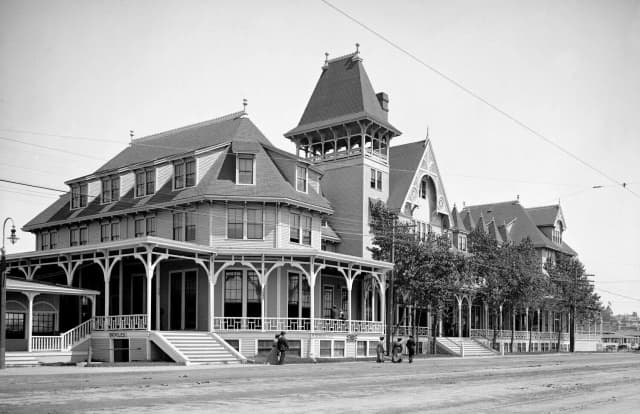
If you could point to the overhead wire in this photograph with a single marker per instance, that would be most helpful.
(479, 98)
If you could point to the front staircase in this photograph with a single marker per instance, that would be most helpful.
(470, 347)
(21, 359)
(195, 347)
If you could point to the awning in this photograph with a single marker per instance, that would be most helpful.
(22, 285)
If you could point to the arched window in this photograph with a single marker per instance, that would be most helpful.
(428, 192)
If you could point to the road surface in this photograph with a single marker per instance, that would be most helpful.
(592, 383)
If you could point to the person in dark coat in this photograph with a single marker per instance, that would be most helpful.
(274, 355)
(411, 348)
(396, 351)
(380, 350)
(283, 347)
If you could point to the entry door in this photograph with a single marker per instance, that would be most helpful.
(120, 350)
(183, 297)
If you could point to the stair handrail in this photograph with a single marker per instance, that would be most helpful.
(75, 335)
(228, 347)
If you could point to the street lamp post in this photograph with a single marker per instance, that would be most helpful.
(3, 289)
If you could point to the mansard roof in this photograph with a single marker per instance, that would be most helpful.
(275, 177)
(232, 127)
(521, 223)
(404, 161)
(343, 93)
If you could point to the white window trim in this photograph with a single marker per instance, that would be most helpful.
(173, 176)
(135, 182)
(302, 215)
(253, 158)
(245, 223)
(144, 226)
(117, 223)
(306, 178)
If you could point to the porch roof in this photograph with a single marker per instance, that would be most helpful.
(158, 242)
(21, 285)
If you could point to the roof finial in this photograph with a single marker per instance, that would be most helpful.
(517, 197)
(131, 134)
(326, 61)
(356, 55)
(244, 104)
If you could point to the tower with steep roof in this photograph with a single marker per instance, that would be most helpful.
(345, 131)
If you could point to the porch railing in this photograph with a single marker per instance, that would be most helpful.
(406, 330)
(295, 324)
(46, 343)
(121, 322)
(520, 335)
(64, 341)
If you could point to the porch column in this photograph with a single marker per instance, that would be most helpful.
(93, 306)
(211, 304)
(30, 298)
(486, 315)
(262, 307)
(469, 302)
(157, 276)
(349, 286)
(373, 302)
(459, 299)
(539, 322)
(526, 328)
(500, 320)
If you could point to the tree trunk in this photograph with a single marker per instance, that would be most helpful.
(434, 330)
(513, 327)
(495, 330)
(530, 326)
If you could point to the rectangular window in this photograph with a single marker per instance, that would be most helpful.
(190, 177)
(84, 236)
(245, 169)
(115, 189)
(254, 223)
(151, 226)
(376, 179)
(253, 287)
(178, 175)
(306, 230)
(338, 349)
(73, 237)
(373, 178)
(44, 241)
(345, 301)
(325, 348)
(83, 195)
(235, 228)
(115, 231)
(178, 226)
(75, 196)
(140, 184)
(189, 226)
(233, 286)
(294, 228)
(106, 190)
(104, 232)
(53, 238)
(44, 323)
(361, 349)
(301, 178)
(151, 181)
(379, 181)
(14, 327)
(138, 226)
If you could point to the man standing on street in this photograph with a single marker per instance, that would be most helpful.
(283, 346)
(380, 350)
(411, 348)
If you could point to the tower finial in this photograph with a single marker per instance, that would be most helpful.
(357, 48)
(326, 61)
(244, 104)
(356, 56)
(131, 134)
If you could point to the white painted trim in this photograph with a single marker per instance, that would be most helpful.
(246, 156)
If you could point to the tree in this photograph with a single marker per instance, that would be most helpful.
(573, 290)
(487, 264)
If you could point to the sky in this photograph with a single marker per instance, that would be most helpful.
(78, 75)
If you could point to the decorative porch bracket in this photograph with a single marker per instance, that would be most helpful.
(69, 266)
(106, 264)
(150, 262)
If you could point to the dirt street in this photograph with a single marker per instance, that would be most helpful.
(592, 383)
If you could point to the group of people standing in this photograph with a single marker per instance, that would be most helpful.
(396, 350)
(279, 348)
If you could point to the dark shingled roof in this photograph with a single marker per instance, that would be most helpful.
(275, 178)
(457, 223)
(209, 133)
(343, 93)
(404, 161)
(523, 227)
(545, 215)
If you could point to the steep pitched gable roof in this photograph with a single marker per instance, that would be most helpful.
(404, 161)
(343, 92)
(232, 127)
(521, 228)
(545, 215)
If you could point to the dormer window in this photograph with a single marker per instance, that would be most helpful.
(184, 174)
(145, 182)
(556, 233)
(245, 173)
(79, 195)
(301, 178)
(110, 189)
